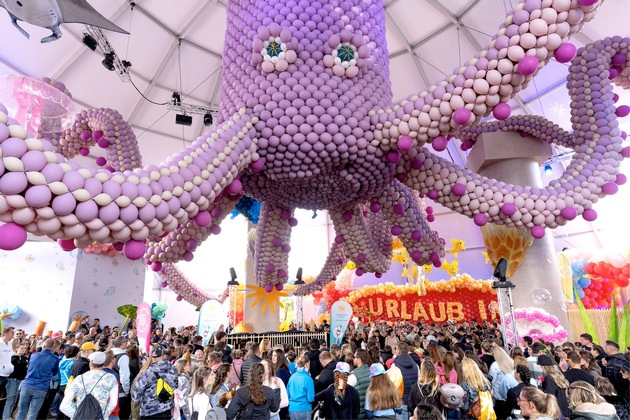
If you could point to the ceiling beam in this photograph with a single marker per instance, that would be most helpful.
(404, 39)
(457, 21)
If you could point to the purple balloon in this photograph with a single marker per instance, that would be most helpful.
(538, 232)
(568, 213)
(508, 209)
(502, 111)
(528, 65)
(565, 52)
(589, 215)
(134, 250)
(12, 236)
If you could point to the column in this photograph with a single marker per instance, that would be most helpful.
(513, 159)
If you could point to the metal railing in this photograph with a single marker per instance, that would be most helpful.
(294, 338)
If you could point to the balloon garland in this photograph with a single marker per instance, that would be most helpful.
(538, 324)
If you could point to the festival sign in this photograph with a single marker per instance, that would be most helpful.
(211, 315)
(340, 315)
(461, 299)
(143, 326)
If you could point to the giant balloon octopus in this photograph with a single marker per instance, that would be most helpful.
(307, 121)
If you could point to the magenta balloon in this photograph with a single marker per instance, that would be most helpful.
(439, 143)
(157, 267)
(85, 135)
(393, 157)
(502, 111)
(280, 286)
(528, 65)
(191, 244)
(396, 230)
(203, 218)
(462, 116)
(268, 287)
(134, 250)
(416, 255)
(12, 236)
(101, 161)
(235, 187)
(622, 111)
(609, 188)
(179, 298)
(565, 52)
(66, 244)
(480, 219)
(188, 256)
(405, 143)
(538, 232)
(589, 215)
(375, 207)
(118, 246)
(458, 189)
(621, 179)
(416, 235)
(359, 272)
(568, 213)
(508, 209)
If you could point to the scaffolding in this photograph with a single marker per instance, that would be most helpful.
(506, 311)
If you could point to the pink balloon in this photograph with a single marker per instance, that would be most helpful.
(12, 236)
(439, 143)
(502, 111)
(565, 52)
(134, 250)
(405, 143)
(203, 218)
(66, 244)
(528, 65)
(268, 287)
(538, 232)
(462, 116)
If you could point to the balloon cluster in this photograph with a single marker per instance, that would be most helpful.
(330, 294)
(185, 289)
(158, 310)
(538, 324)
(102, 249)
(249, 208)
(596, 281)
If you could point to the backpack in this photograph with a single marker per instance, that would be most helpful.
(89, 407)
(163, 390)
(482, 409)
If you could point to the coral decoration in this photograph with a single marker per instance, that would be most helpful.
(461, 298)
(506, 242)
(538, 324)
(300, 134)
(104, 249)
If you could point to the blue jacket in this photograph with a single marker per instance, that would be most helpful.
(65, 366)
(41, 368)
(301, 391)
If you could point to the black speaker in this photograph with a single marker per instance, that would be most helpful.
(500, 270)
(181, 119)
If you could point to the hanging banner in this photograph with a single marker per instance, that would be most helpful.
(211, 315)
(143, 326)
(340, 315)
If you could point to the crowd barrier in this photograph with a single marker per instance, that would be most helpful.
(294, 338)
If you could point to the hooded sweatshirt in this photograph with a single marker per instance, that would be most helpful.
(145, 388)
(409, 370)
(65, 366)
(590, 411)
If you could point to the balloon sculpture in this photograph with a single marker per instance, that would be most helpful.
(307, 121)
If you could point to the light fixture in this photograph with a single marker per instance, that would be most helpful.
(183, 119)
(90, 42)
(108, 61)
(298, 276)
(548, 169)
(176, 99)
(207, 119)
(126, 64)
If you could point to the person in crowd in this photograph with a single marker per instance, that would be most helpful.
(613, 362)
(214, 361)
(589, 364)
(473, 382)
(608, 392)
(327, 376)
(599, 354)
(221, 387)
(536, 405)
(236, 369)
(426, 390)
(532, 361)
(527, 346)
(82, 363)
(575, 372)
(426, 412)
(486, 353)
(253, 357)
(6, 351)
(199, 400)
(280, 365)
(313, 355)
(586, 342)
(503, 379)
(272, 381)
(554, 382)
(586, 403)
(122, 368)
(359, 379)
(341, 401)
(65, 367)
(449, 369)
(301, 390)
(20, 368)
(108, 367)
(524, 378)
(264, 348)
(144, 390)
(42, 367)
(254, 401)
(391, 339)
(382, 399)
(408, 369)
(184, 385)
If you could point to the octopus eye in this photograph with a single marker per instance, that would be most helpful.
(343, 60)
(276, 55)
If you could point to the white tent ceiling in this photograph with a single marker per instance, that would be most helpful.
(177, 46)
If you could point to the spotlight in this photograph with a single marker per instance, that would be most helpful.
(183, 119)
(548, 169)
(90, 42)
(500, 270)
(299, 281)
(108, 61)
(176, 99)
(126, 64)
(207, 120)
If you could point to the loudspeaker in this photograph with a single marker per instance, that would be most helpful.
(181, 119)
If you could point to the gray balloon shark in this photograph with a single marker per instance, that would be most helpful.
(51, 13)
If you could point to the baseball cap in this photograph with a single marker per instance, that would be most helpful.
(88, 346)
(56, 334)
(97, 358)
(431, 338)
(544, 360)
(157, 351)
(376, 369)
(342, 367)
(453, 395)
(103, 343)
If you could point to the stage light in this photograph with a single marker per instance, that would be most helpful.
(176, 99)
(126, 64)
(207, 120)
(108, 61)
(548, 169)
(182, 119)
(90, 42)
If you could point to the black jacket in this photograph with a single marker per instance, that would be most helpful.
(612, 371)
(326, 377)
(315, 367)
(81, 366)
(549, 386)
(242, 403)
(343, 408)
(247, 365)
(409, 370)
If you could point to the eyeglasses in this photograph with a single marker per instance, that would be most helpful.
(521, 400)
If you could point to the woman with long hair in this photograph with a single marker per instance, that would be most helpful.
(341, 401)
(237, 363)
(301, 390)
(608, 392)
(199, 401)
(426, 390)
(219, 392)
(264, 347)
(586, 403)
(473, 382)
(254, 401)
(182, 394)
(536, 405)
(503, 379)
(273, 382)
(382, 399)
(589, 364)
(554, 382)
(280, 365)
(133, 353)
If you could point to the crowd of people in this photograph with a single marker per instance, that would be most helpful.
(383, 371)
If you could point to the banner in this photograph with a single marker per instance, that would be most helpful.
(340, 315)
(461, 299)
(211, 315)
(143, 326)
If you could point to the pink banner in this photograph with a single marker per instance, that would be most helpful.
(143, 325)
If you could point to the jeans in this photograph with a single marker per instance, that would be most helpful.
(13, 389)
(31, 400)
(300, 415)
(404, 415)
(275, 416)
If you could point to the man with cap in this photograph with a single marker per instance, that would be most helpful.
(341, 401)
(82, 364)
(145, 389)
(102, 385)
(42, 367)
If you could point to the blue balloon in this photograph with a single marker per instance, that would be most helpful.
(584, 281)
(578, 268)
